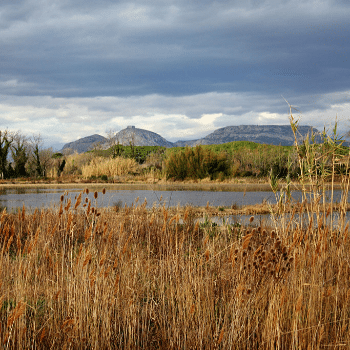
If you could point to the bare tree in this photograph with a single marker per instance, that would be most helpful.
(113, 142)
(40, 157)
(19, 152)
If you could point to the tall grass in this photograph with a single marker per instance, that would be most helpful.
(79, 277)
(109, 166)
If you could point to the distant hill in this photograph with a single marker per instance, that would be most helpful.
(141, 137)
(84, 144)
(269, 134)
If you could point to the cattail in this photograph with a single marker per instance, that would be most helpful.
(42, 335)
(62, 198)
(78, 201)
(16, 313)
(246, 241)
(88, 208)
(87, 191)
(221, 336)
(24, 213)
(273, 234)
(192, 309)
(66, 208)
(251, 219)
(95, 194)
(257, 251)
(104, 191)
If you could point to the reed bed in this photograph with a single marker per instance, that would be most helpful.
(110, 167)
(80, 277)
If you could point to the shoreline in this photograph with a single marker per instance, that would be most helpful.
(166, 185)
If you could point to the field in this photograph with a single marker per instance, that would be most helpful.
(81, 277)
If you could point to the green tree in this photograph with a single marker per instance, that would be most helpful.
(6, 138)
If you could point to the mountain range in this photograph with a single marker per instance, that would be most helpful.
(268, 134)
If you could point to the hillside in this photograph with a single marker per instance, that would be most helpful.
(84, 144)
(265, 134)
(141, 137)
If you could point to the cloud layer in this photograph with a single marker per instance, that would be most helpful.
(179, 68)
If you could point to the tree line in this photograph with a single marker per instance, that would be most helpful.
(22, 155)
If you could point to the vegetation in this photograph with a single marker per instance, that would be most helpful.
(80, 277)
(197, 163)
(22, 157)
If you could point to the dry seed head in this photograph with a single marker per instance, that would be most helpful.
(104, 191)
(257, 251)
(95, 194)
(246, 241)
(251, 219)
(273, 234)
(62, 198)
(221, 336)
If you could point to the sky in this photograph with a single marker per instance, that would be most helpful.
(182, 69)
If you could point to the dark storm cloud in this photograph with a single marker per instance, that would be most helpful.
(82, 48)
(175, 67)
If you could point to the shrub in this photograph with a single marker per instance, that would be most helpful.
(197, 163)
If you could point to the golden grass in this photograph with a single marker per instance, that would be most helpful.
(99, 166)
(79, 277)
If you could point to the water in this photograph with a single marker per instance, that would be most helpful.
(13, 198)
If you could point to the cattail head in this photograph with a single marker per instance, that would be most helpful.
(95, 194)
(251, 219)
(104, 191)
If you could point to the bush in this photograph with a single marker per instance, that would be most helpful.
(197, 163)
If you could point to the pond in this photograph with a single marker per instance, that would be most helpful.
(170, 196)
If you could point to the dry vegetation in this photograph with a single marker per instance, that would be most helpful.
(110, 167)
(81, 277)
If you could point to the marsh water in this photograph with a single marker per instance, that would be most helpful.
(41, 197)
